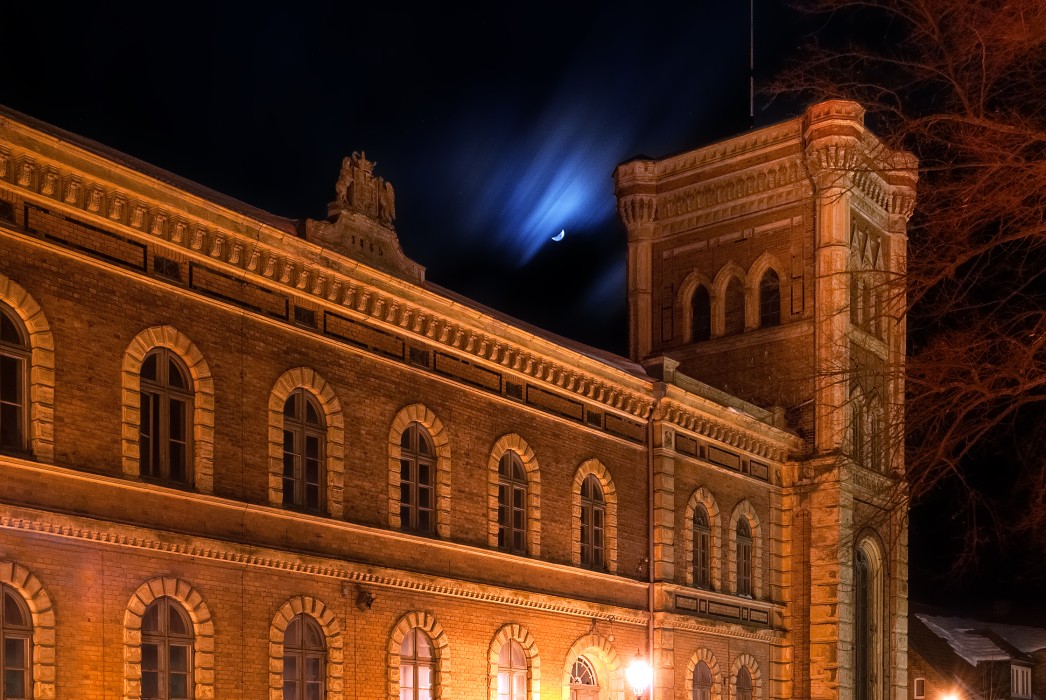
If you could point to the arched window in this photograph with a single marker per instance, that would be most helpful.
(701, 318)
(417, 473)
(14, 372)
(744, 557)
(734, 307)
(167, 650)
(868, 647)
(512, 504)
(593, 524)
(166, 409)
(769, 299)
(512, 672)
(16, 629)
(304, 659)
(583, 682)
(304, 435)
(702, 548)
(417, 666)
(744, 684)
(702, 682)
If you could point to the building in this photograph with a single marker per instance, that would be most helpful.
(965, 659)
(249, 457)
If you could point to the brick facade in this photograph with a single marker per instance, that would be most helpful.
(103, 259)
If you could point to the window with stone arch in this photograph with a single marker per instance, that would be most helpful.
(14, 382)
(515, 666)
(419, 473)
(27, 374)
(16, 645)
(306, 444)
(702, 541)
(769, 299)
(304, 660)
(167, 651)
(514, 497)
(703, 677)
(419, 659)
(168, 643)
(306, 654)
(27, 619)
(869, 615)
(592, 670)
(745, 552)
(166, 406)
(146, 388)
(746, 678)
(594, 518)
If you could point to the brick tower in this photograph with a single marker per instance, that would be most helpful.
(769, 266)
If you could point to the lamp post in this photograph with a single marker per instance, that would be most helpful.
(639, 675)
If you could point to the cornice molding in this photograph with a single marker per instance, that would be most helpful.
(702, 423)
(274, 258)
(99, 532)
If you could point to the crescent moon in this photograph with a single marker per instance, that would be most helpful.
(559, 236)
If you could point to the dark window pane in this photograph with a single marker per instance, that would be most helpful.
(13, 616)
(14, 684)
(290, 666)
(178, 462)
(312, 447)
(177, 420)
(11, 426)
(10, 379)
(424, 521)
(292, 638)
(151, 618)
(14, 653)
(290, 690)
(312, 497)
(702, 315)
(150, 684)
(290, 406)
(9, 331)
(149, 367)
(179, 686)
(405, 469)
(312, 416)
(423, 474)
(176, 624)
(175, 376)
(179, 659)
(312, 669)
(314, 636)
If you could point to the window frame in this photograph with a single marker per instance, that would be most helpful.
(744, 553)
(919, 688)
(747, 691)
(413, 459)
(703, 331)
(20, 353)
(415, 663)
(1020, 681)
(162, 639)
(770, 299)
(513, 672)
(517, 485)
(9, 631)
(702, 545)
(161, 393)
(698, 690)
(593, 530)
(299, 431)
(302, 653)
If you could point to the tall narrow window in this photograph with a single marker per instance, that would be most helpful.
(512, 504)
(417, 666)
(701, 310)
(304, 435)
(417, 472)
(512, 672)
(16, 628)
(14, 370)
(769, 299)
(167, 650)
(304, 659)
(583, 682)
(702, 548)
(734, 307)
(744, 557)
(702, 682)
(744, 684)
(863, 641)
(593, 524)
(166, 408)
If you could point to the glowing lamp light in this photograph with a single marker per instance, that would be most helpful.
(639, 675)
(950, 696)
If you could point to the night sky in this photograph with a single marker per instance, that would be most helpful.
(498, 124)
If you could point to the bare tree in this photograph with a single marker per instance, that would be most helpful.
(962, 84)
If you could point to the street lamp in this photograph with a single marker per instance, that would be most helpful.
(639, 675)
